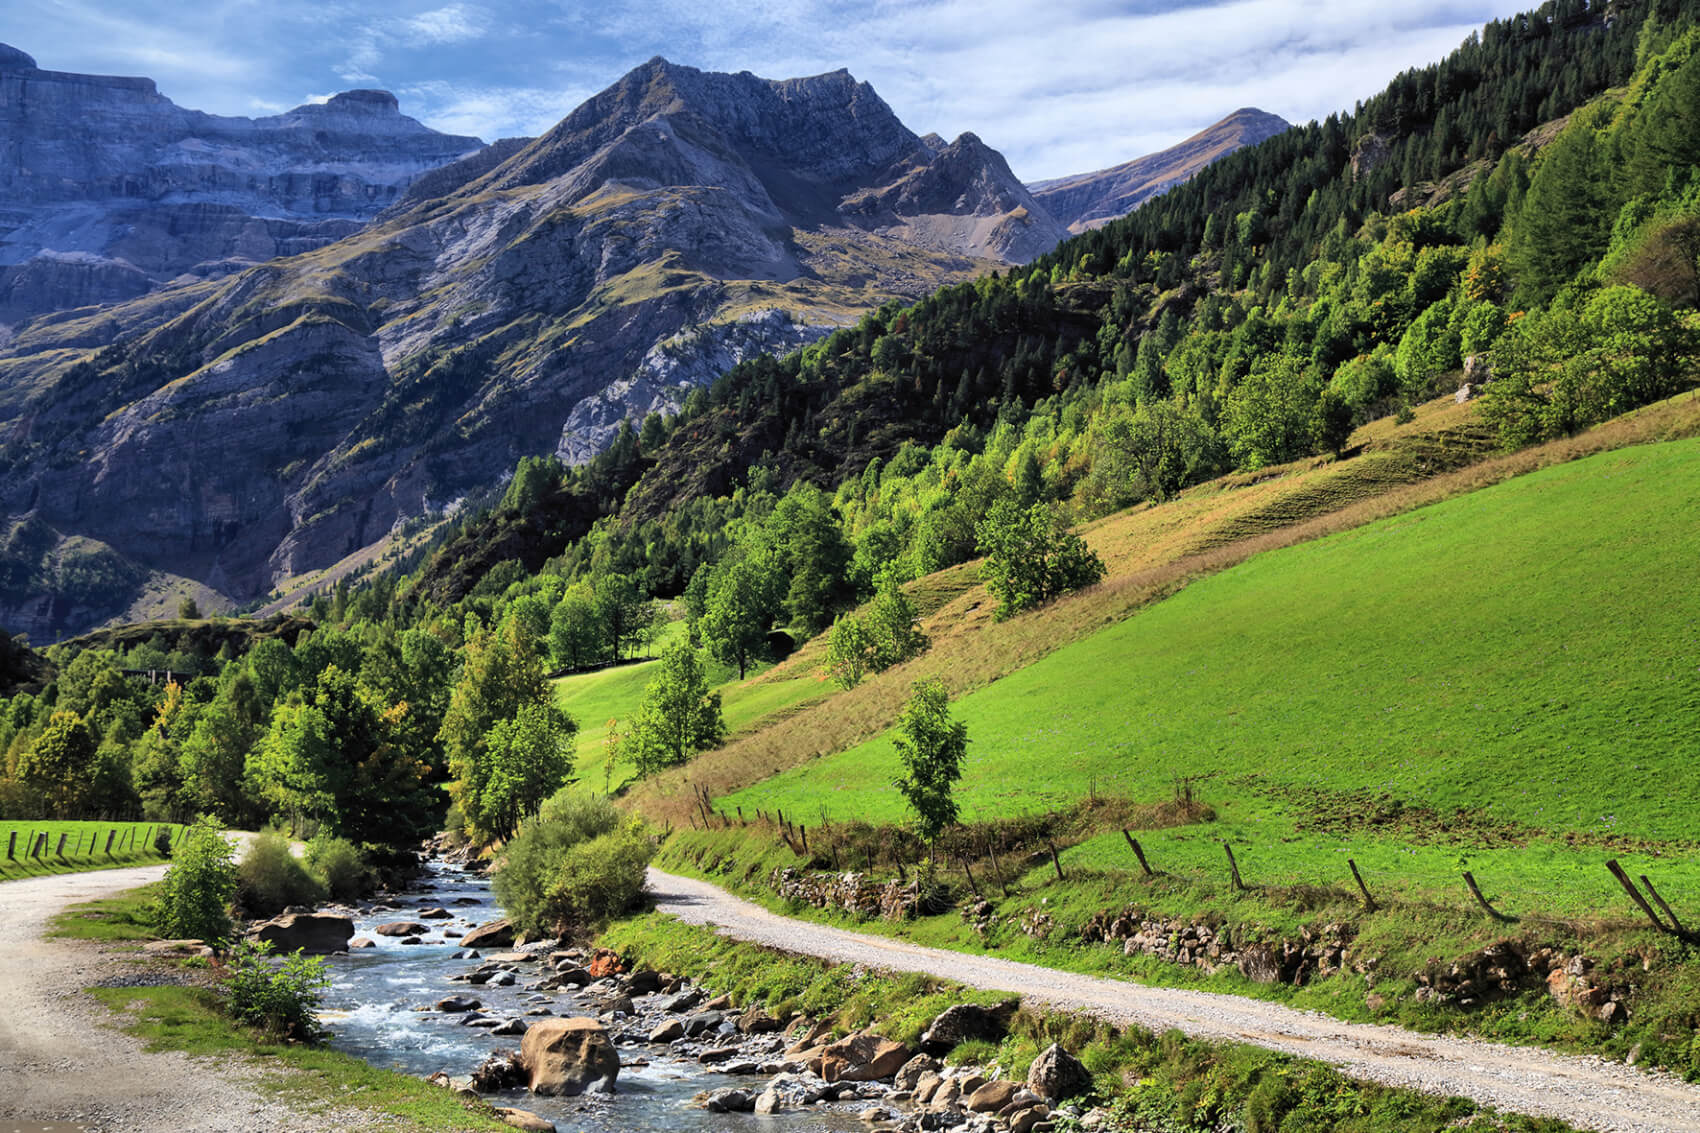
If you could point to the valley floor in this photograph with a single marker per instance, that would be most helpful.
(1586, 1092)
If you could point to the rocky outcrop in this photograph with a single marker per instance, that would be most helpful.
(566, 1057)
(1088, 200)
(309, 932)
(149, 191)
(240, 428)
(862, 1057)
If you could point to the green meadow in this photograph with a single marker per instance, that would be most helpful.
(1507, 682)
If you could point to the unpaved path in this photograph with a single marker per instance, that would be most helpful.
(1590, 1093)
(60, 1057)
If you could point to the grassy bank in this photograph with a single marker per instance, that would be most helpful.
(84, 846)
(1164, 1082)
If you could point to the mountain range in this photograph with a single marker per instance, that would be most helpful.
(185, 411)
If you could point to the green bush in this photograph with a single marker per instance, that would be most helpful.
(194, 899)
(341, 867)
(162, 842)
(277, 995)
(575, 864)
(270, 878)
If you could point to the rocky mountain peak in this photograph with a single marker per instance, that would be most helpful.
(11, 59)
(1087, 200)
(365, 102)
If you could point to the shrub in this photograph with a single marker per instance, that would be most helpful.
(195, 895)
(271, 878)
(575, 864)
(341, 867)
(162, 842)
(278, 995)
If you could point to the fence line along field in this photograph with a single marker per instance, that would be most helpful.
(1503, 684)
(35, 849)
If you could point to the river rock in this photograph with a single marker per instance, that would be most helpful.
(494, 934)
(360, 942)
(605, 963)
(435, 914)
(511, 1027)
(992, 1096)
(667, 1032)
(524, 1119)
(395, 928)
(502, 1070)
(572, 974)
(755, 1021)
(644, 981)
(863, 1057)
(909, 1074)
(703, 1023)
(1057, 1074)
(959, 1024)
(310, 932)
(683, 1001)
(455, 1004)
(569, 1056)
(727, 1099)
(788, 1092)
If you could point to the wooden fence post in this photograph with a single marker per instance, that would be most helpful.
(1660, 901)
(1475, 891)
(12, 847)
(1369, 902)
(969, 874)
(1133, 843)
(110, 834)
(59, 851)
(1634, 893)
(1056, 861)
(1233, 867)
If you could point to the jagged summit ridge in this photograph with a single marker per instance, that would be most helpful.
(111, 189)
(1087, 200)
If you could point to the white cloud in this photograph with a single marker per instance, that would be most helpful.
(456, 23)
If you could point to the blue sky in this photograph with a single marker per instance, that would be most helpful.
(1059, 87)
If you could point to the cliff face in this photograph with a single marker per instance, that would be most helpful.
(244, 428)
(108, 188)
(1087, 200)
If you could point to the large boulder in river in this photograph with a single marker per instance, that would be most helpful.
(310, 932)
(495, 934)
(569, 1056)
(862, 1057)
(401, 928)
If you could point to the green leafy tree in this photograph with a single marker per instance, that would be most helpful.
(623, 610)
(194, 898)
(742, 603)
(849, 650)
(526, 759)
(1269, 416)
(678, 716)
(575, 632)
(59, 768)
(931, 746)
(1032, 557)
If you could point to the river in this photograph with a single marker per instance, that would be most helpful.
(373, 1011)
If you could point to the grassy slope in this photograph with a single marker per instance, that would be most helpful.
(132, 846)
(1529, 650)
(1151, 553)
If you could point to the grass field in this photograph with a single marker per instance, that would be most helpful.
(1152, 553)
(84, 846)
(1530, 654)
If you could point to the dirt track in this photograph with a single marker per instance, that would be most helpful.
(1587, 1092)
(60, 1057)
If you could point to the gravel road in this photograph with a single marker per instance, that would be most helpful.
(61, 1060)
(1589, 1093)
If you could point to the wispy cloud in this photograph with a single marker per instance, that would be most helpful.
(1060, 86)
